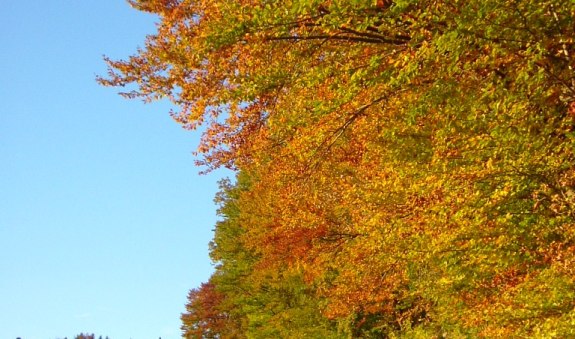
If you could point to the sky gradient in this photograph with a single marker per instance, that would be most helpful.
(104, 220)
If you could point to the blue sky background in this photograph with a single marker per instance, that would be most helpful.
(104, 221)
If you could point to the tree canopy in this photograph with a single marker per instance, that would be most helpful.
(405, 168)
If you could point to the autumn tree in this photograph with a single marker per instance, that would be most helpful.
(205, 318)
(244, 298)
(410, 162)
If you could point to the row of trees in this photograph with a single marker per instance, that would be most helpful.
(84, 336)
(87, 336)
(405, 168)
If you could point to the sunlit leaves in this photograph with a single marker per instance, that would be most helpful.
(406, 166)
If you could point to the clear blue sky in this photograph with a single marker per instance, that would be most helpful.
(104, 221)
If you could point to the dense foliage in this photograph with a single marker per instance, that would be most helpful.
(405, 168)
